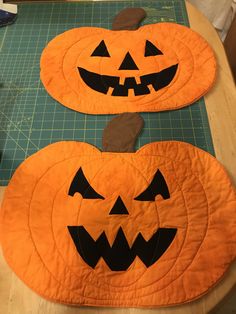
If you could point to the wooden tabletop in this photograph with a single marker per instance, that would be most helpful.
(16, 298)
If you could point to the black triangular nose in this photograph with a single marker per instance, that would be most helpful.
(119, 208)
(128, 63)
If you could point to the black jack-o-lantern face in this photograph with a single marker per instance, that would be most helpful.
(154, 68)
(102, 83)
(120, 255)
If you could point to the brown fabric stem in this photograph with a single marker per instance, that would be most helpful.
(128, 19)
(121, 133)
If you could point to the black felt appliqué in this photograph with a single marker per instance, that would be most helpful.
(101, 83)
(101, 50)
(151, 50)
(82, 186)
(119, 208)
(128, 63)
(120, 255)
(157, 186)
(162, 79)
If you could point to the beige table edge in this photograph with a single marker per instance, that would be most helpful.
(15, 297)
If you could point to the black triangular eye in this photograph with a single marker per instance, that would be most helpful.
(101, 50)
(81, 185)
(151, 50)
(157, 186)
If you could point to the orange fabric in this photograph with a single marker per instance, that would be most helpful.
(179, 45)
(37, 210)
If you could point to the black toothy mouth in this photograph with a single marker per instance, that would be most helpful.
(120, 255)
(102, 83)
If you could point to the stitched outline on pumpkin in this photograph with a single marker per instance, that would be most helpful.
(135, 100)
(180, 251)
(144, 28)
(30, 198)
(194, 67)
(110, 160)
(52, 229)
(67, 266)
(184, 237)
(109, 285)
(203, 238)
(166, 88)
(34, 242)
(83, 156)
(177, 255)
(218, 275)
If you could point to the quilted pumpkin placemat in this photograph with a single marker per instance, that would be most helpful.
(156, 67)
(151, 228)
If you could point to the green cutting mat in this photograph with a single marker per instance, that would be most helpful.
(30, 119)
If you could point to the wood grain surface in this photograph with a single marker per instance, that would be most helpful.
(230, 47)
(16, 298)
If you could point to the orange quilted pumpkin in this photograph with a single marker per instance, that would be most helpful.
(151, 228)
(154, 68)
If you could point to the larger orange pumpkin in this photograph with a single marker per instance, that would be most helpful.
(157, 67)
(151, 228)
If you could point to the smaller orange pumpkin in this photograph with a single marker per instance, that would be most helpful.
(86, 227)
(154, 68)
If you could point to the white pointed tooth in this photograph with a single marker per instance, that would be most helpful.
(122, 81)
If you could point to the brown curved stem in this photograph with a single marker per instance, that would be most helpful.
(128, 19)
(121, 133)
